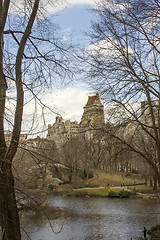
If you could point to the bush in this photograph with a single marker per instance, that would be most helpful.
(112, 194)
(134, 171)
(124, 194)
(84, 174)
(154, 232)
(56, 173)
(80, 173)
(90, 175)
(70, 178)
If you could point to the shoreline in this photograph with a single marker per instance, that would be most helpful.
(123, 192)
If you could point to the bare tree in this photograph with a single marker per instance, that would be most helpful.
(30, 56)
(72, 151)
(33, 162)
(124, 65)
(82, 152)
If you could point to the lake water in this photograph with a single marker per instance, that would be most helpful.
(91, 219)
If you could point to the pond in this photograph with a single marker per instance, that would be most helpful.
(75, 218)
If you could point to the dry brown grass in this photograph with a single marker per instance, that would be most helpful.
(102, 178)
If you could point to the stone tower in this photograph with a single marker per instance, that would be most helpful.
(93, 115)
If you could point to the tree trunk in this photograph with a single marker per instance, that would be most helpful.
(10, 225)
(155, 183)
(8, 207)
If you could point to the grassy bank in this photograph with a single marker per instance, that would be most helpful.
(92, 192)
(99, 192)
(144, 189)
(139, 191)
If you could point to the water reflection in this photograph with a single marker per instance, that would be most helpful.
(92, 218)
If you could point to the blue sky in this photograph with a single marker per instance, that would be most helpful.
(69, 101)
(75, 20)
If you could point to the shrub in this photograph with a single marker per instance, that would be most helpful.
(154, 232)
(134, 171)
(56, 173)
(84, 174)
(81, 174)
(124, 194)
(113, 194)
(90, 175)
(70, 178)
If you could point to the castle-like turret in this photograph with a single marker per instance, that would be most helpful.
(93, 118)
(93, 115)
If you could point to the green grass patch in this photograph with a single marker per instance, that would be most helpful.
(98, 192)
(92, 192)
(143, 189)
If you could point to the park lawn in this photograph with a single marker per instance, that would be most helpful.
(142, 189)
(101, 192)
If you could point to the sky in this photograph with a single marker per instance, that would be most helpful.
(73, 19)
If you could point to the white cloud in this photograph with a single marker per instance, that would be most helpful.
(108, 49)
(49, 6)
(68, 103)
(71, 3)
(104, 48)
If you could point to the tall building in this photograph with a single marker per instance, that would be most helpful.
(61, 131)
(146, 112)
(93, 118)
(93, 115)
(8, 137)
